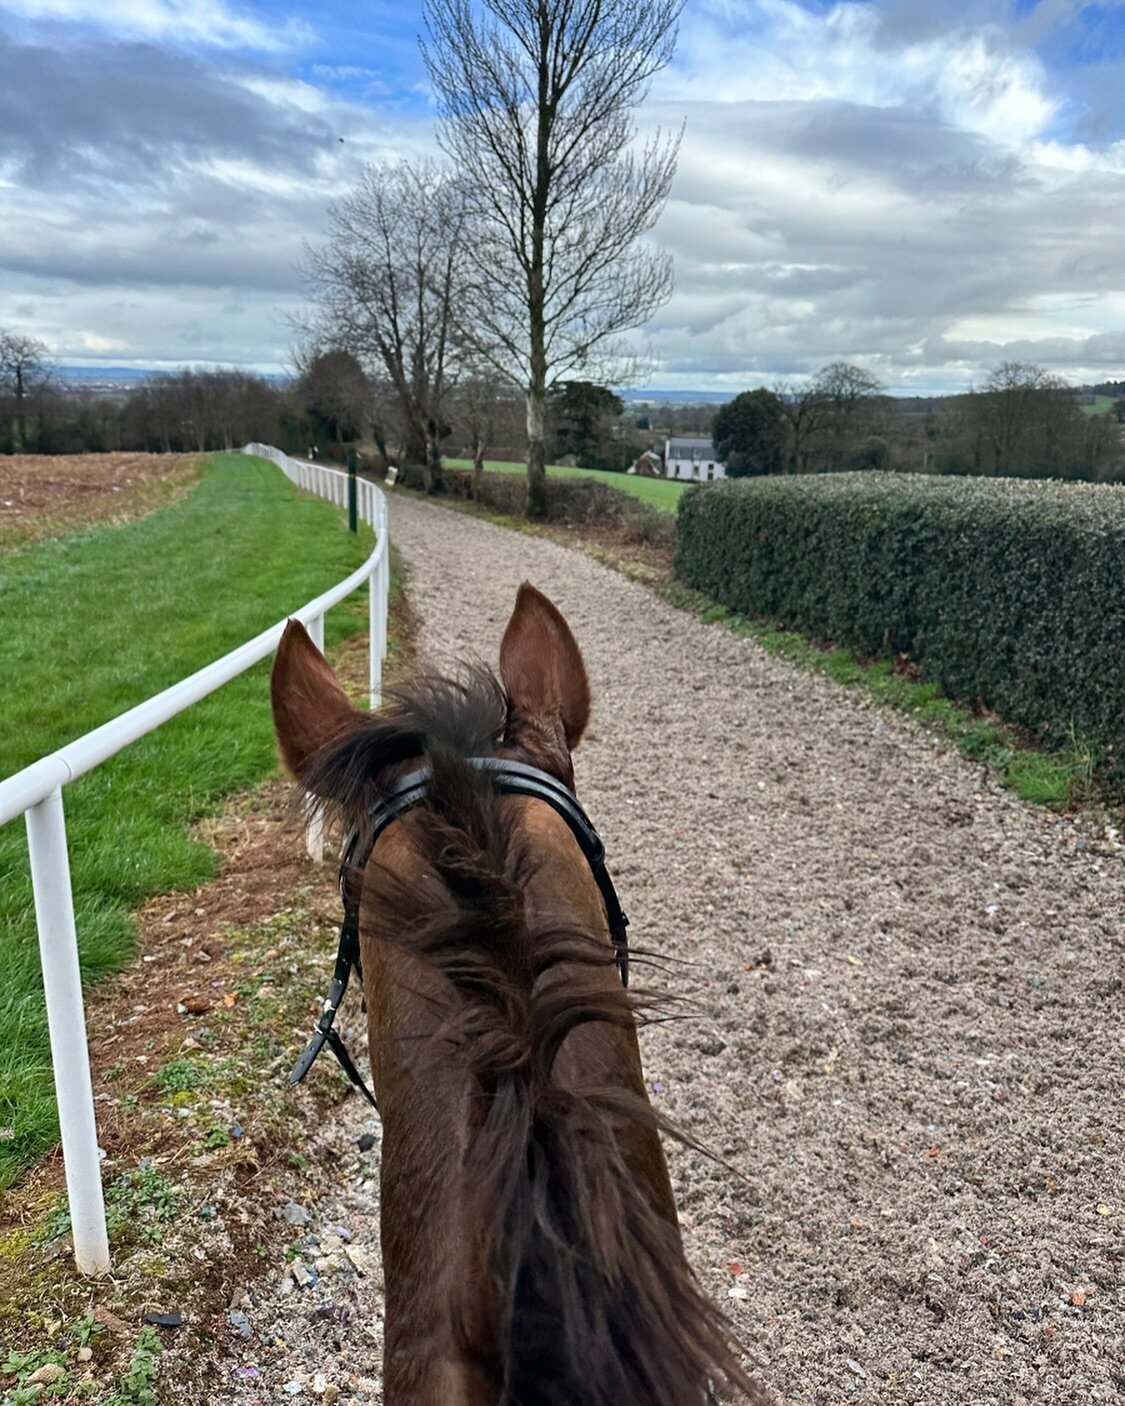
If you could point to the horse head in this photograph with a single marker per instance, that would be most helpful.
(531, 1250)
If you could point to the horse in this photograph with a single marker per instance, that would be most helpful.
(531, 1250)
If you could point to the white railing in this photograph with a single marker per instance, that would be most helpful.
(36, 792)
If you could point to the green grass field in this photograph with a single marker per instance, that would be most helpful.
(94, 623)
(659, 493)
(1100, 405)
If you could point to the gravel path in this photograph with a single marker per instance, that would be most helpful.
(909, 1039)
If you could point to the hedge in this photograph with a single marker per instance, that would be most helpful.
(1003, 590)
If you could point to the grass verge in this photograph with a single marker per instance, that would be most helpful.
(205, 1143)
(95, 623)
(661, 493)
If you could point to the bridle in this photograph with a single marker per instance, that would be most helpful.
(509, 778)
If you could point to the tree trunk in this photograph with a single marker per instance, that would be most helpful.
(414, 445)
(433, 475)
(478, 467)
(20, 422)
(381, 444)
(536, 286)
(536, 454)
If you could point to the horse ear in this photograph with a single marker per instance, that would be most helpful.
(541, 665)
(309, 706)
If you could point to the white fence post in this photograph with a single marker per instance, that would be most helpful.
(374, 639)
(385, 570)
(66, 1020)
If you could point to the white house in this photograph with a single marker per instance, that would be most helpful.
(692, 458)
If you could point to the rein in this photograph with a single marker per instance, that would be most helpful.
(509, 779)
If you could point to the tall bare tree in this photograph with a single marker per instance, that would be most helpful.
(536, 98)
(385, 287)
(24, 371)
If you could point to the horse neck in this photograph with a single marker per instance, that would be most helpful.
(567, 1193)
(574, 1284)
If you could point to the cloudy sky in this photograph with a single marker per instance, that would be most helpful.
(923, 188)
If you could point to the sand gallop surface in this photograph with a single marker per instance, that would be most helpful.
(909, 993)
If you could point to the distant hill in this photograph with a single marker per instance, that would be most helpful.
(643, 397)
(104, 375)
(122, 377)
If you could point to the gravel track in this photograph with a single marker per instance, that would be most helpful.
(909, 994)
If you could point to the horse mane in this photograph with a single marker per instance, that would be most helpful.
(461, 716)
(592, 1299)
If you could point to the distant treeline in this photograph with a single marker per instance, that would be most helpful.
(1022, 423)
(188, 411)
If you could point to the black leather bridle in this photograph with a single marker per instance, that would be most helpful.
(509, 779)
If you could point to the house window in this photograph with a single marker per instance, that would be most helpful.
(710, 471)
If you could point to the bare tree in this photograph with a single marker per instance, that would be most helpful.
(1027, 422)
(852, 409)
(480, 405)
(1021, 414)
(829, 415)
(334, 390)
(804, 413)
(385, 286)
(535, 99)
(24, 371)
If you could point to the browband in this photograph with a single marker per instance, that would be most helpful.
(510, 779)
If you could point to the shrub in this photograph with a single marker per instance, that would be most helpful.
(571, 502)
(1003, 590)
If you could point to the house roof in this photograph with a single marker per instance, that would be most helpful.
(688, 444)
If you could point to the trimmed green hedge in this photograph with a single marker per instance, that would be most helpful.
(1005, 590)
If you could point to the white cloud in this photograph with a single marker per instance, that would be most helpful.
(777, 51)
(94, 344)
(895, 188)
(207, 22)
(285, 92)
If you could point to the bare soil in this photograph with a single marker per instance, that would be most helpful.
(43, 495)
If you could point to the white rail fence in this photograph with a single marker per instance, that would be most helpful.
(36, 793)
